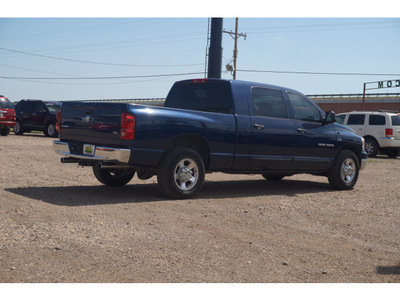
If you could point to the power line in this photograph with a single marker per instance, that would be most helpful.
(324, 27)
(197, 73)
(131, 43)
(318, 73)
(99, 78)
(72, 30)
(93, 62)
(33, 70)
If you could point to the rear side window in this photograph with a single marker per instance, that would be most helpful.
(268, 103)
(303, 109)
(395, 120)
(29, 107)
(377, 120)
(205, 96)
(356, 119)
(53, 107)
(40, 107)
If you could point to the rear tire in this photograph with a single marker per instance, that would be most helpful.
(18, 128)
(344, 173)
(181, 174)
(273, 177)
(50, 130)
(371, 147)
(113, 177)
(5, 131)
(392, 153)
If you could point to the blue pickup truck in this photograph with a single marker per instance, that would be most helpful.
(210, 125)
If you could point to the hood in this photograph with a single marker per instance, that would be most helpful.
(341, 126)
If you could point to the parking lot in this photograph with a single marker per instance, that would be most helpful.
(59, 224)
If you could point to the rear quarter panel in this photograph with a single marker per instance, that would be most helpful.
(157, 127)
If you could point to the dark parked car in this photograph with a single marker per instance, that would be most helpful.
(36, 115)
(7, 116)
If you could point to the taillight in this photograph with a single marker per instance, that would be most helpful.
(389, 132)
(203, 80)
(12, 113)
(58, 124)
(127, 127)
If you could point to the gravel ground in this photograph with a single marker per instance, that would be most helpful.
(59, 224)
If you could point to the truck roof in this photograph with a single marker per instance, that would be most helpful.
(248, 83)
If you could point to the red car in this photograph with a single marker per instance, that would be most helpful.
(7, 116)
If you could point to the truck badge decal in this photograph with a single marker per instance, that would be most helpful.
(326, 145)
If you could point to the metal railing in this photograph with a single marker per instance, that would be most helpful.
(354, 96)
(312, 97)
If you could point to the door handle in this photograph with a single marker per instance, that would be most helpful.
(301, 130)
(258, 126)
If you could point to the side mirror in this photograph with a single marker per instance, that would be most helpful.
(330, 117)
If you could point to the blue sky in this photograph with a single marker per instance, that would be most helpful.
(33, 50)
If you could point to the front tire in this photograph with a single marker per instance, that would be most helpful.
(344, 173)
(113, 177)
(181, 174)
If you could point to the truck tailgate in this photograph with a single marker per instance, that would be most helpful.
(97, 123)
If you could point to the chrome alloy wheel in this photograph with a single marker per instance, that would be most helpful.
(369, 148)
(17, 127)
(51, 129)
(348, 170)
(186, 174)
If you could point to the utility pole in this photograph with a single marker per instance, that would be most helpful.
(215, 50)
(235, 35)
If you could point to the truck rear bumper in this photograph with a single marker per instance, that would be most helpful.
(108, 154)
(7, 124)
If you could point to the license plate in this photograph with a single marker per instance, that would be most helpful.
(89, 149)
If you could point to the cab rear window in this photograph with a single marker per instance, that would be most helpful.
(201, 96)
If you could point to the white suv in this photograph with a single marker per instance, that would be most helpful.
(381, 130)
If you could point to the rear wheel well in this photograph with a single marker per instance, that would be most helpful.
(371, 137)
(193, 142)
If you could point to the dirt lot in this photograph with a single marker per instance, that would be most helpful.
(59, 224)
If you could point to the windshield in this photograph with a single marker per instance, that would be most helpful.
(5, 103)
(395, 120)
(53, 107)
